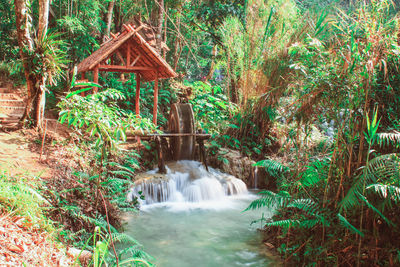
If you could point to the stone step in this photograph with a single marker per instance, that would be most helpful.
(11, 103)
(5, 90)
(11, 108)
(11, 117)
(12, 111)
(9, 96)
(6, 122)
(9, 126)
(6, 119)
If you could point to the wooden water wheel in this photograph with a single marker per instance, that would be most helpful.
(181, 121)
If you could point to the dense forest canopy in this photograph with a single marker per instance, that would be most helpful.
(308, 89)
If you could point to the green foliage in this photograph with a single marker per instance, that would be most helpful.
(211, 108)
(270, 199)
(103, 256)
(100, 117)
(7, 26)
(314, 173)
(273, 168)
(76, 209)
(271, 70)
(20, 196)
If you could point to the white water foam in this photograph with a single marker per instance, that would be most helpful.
(188, 185)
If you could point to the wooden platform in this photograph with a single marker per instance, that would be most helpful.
(147, 136)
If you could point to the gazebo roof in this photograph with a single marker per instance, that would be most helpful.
(133, 52)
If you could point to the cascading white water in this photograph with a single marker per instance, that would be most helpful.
(188, 181)
(255, 177)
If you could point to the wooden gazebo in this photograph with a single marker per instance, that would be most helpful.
(128, 52)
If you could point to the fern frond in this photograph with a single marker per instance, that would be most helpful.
(124, 238)
(315, 172)
(135, 252)
(273, 168)
(386, 191)
(306, 205)
(270, 199)
(284, 223)
(389, 138)
(344, 222)
(123, 173)
(117, 182)
(136, 255)
(311, 209)
(365, 200)
(383, 167)
(308, 224)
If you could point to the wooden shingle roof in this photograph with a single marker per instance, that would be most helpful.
(135, 54)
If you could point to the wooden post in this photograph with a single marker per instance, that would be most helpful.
(161, 163)
(83, 78)
(203, 152)
(95, 77)
(155, 100)
(137, 97)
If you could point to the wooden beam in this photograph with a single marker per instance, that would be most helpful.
(137, 101)
(137, 96)
(161, 163)
(118, 68)
(135, 60)
(126, 27)
(155, 100)
(143, 54)
(95, 77)
(120, 57)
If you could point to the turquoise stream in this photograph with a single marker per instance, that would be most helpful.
(211, 232)
(219, 236)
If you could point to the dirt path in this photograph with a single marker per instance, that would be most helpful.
(18, 156)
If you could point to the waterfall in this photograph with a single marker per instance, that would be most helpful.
(187, 182)
(255, 177)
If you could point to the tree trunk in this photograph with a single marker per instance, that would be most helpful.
(234, 92)
(212, 66)
(44, 7)
(117, 17)
(165, 33)
(177, 54)
(25, 42)
(40, 102)
(109, 19)
(36, 84)
(160, 25)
